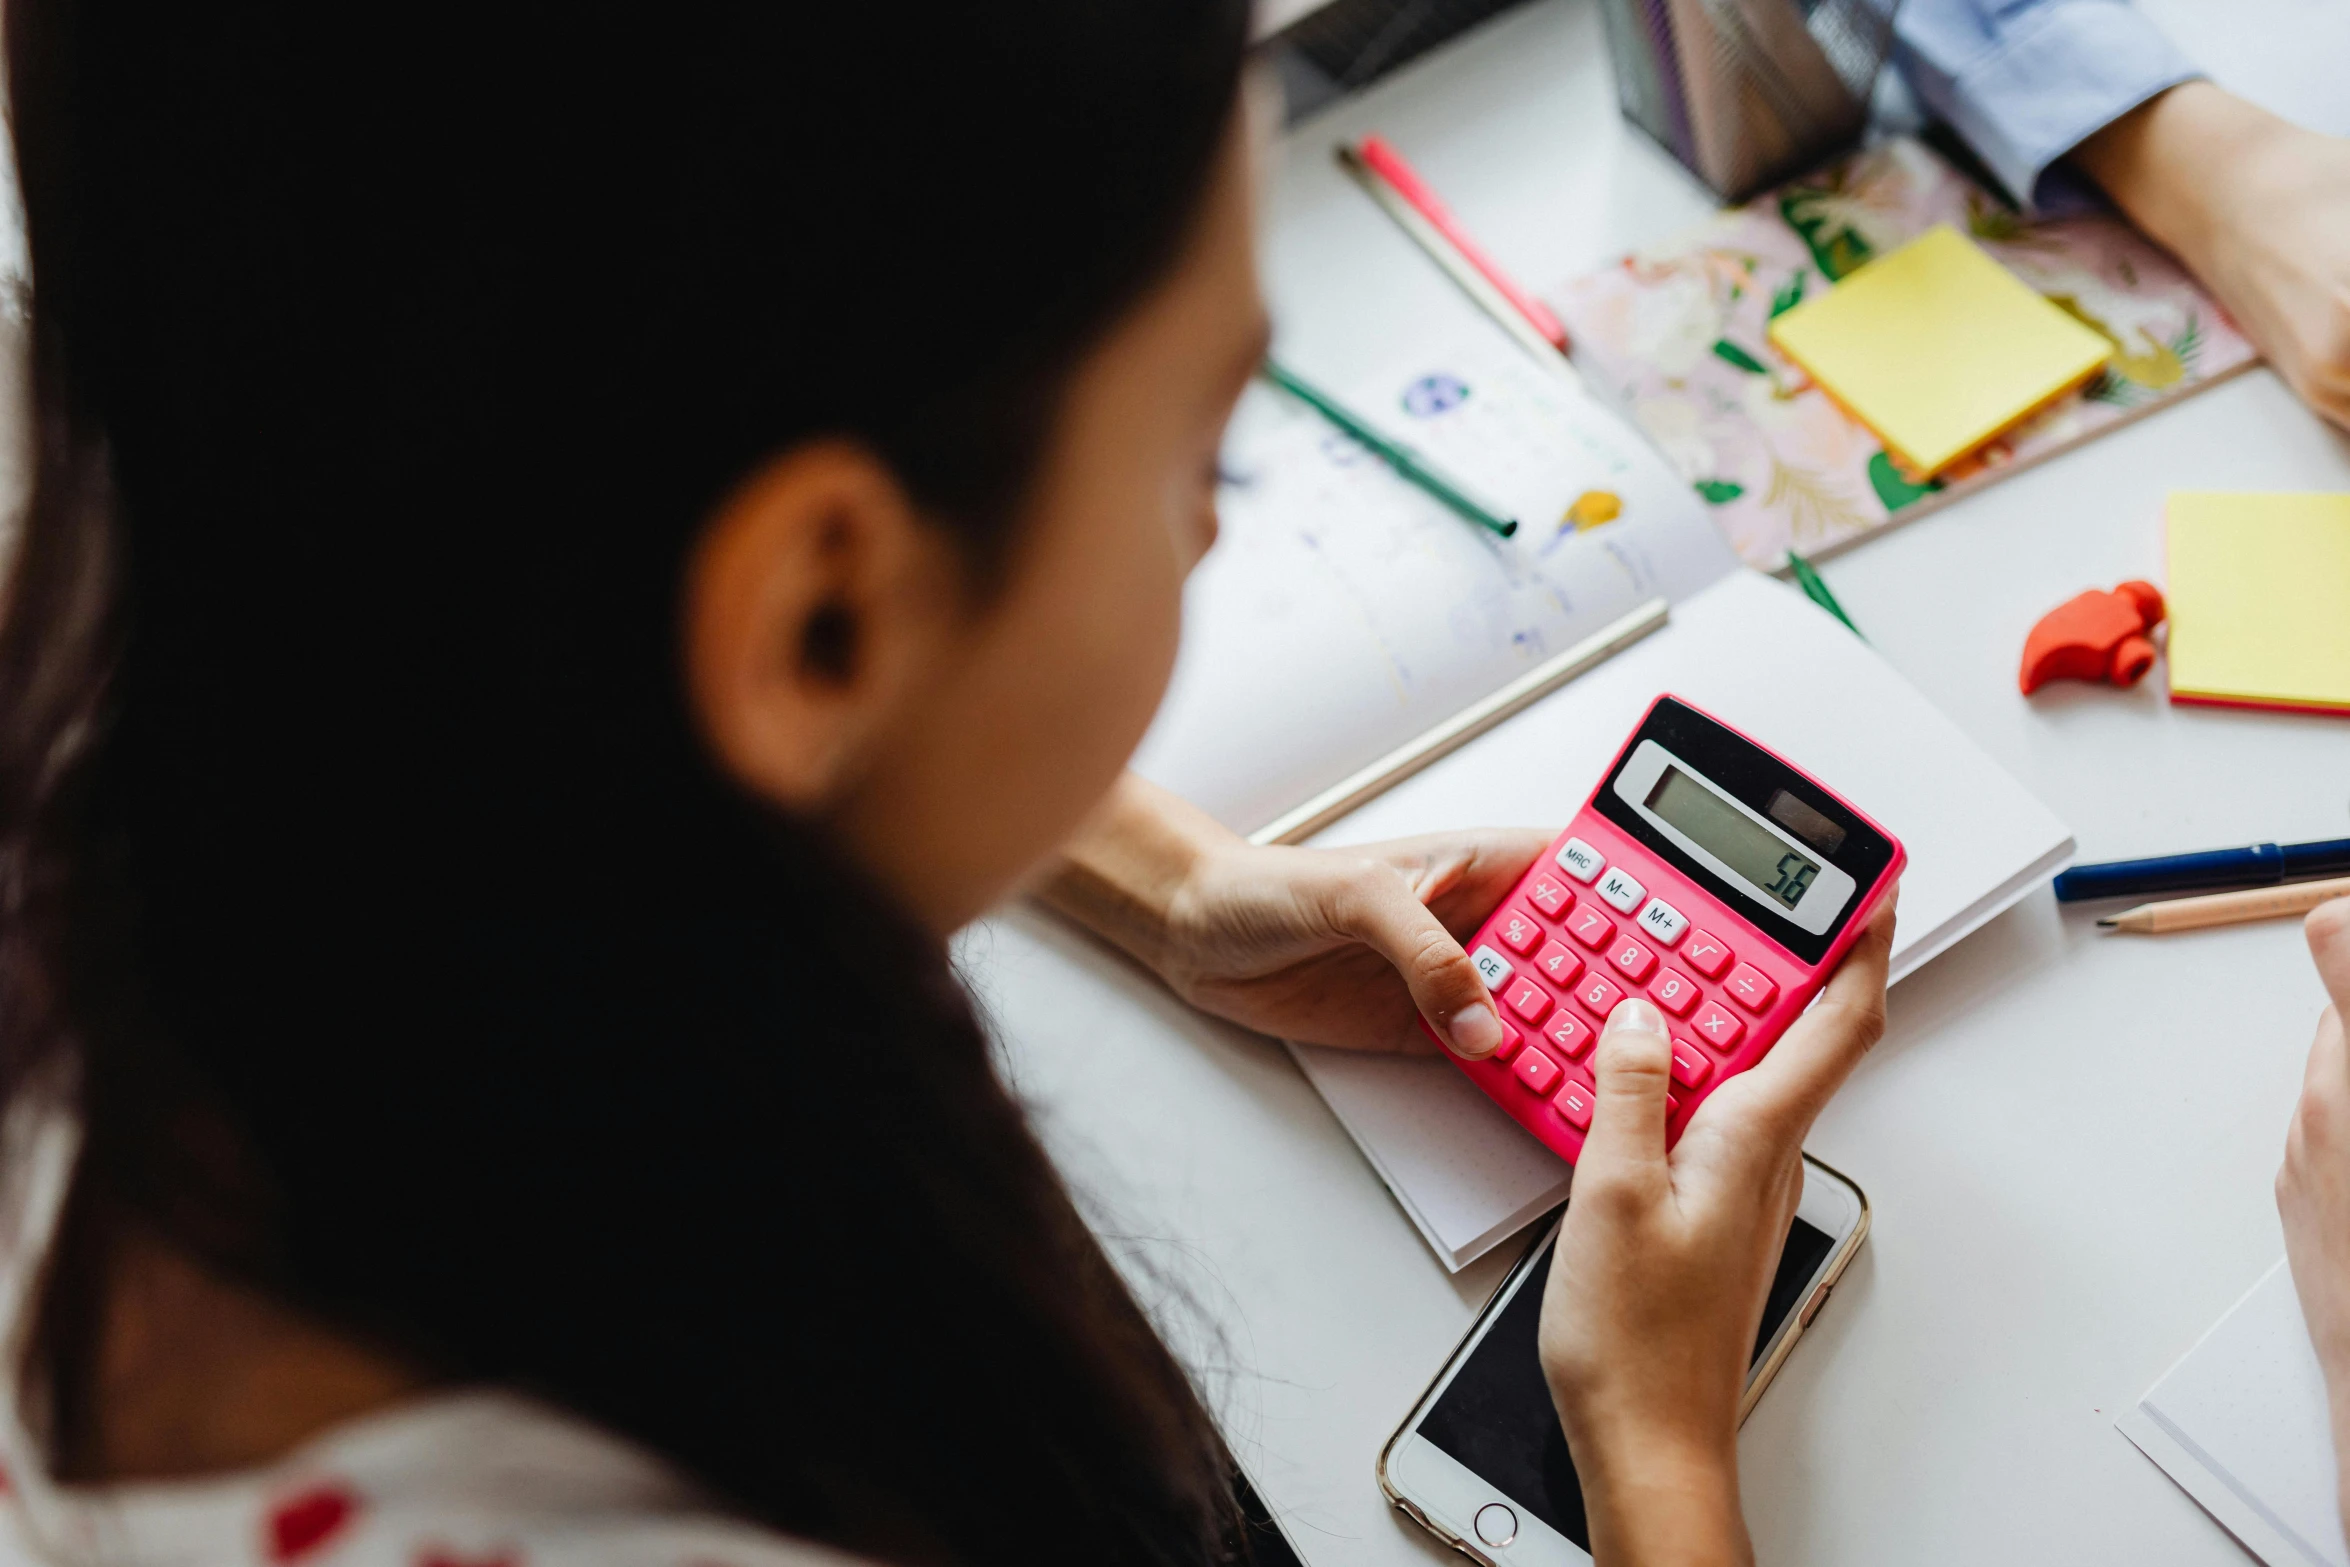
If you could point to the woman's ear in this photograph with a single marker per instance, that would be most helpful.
(814, 601)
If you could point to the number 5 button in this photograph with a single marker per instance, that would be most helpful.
(1601, 997)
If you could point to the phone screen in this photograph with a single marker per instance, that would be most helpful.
(1496, 1417)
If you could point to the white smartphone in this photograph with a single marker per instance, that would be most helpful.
(1481, 1462)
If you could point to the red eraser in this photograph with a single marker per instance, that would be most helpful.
(2094, 636)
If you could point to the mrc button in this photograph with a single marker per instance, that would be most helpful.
(1579, 860)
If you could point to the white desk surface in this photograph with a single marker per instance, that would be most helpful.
(2069, 1139)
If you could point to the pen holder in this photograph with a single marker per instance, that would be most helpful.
(1746, 92)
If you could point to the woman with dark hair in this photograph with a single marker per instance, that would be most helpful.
(570, 546)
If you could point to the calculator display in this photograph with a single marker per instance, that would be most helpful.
(1731, 836)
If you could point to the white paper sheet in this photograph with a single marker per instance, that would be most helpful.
(2240, 1423)
(1345, 611)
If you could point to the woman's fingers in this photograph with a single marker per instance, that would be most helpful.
(1462, 875)
(2318, 1118)
(1376, 906)
(2328, 932)
(1788, 1087)
(1634, 1069)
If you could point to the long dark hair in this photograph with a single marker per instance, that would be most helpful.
(414, 962)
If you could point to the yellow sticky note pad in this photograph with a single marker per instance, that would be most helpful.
(2259, 599)
(1937, 348)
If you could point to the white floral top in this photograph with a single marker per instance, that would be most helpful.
(477, 1479)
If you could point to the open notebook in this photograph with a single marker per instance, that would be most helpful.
(1344, 614)
(2240, 1423)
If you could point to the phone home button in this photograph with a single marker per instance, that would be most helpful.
(1496, 1524)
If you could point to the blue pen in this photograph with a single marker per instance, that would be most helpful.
(2262, 865)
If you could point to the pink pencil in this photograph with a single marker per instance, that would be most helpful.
(1385, 167)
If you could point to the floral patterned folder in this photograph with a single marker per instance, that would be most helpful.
(1677, 337)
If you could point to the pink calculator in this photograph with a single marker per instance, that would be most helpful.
(1704, 873)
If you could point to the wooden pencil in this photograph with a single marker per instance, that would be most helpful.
(2228, 908)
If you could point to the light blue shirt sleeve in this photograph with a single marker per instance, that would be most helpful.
(2026, 81)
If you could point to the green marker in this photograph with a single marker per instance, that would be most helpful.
(1815, 588)
(1397, 455)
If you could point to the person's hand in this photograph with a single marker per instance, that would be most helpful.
(1347, 947)
(2259, 209)
(2313, 1188)
(1657, 1287)
(1325, 946)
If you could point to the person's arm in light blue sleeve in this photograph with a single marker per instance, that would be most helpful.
(2259, 210)
(2026, 81)
(2256, 207)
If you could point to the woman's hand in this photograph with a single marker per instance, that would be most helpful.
(1656, 1290)
(2313, 1188)
(1329, 947)
(2259, 209)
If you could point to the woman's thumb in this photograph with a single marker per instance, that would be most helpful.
(1378, 907)
(1634, 1067)
(2328, 930)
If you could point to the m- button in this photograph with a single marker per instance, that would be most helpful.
(1621, 890)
